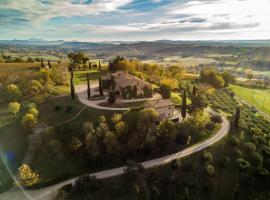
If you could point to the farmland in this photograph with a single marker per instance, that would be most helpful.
(257, 97)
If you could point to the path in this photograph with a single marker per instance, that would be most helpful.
(81, 91)
(46, 193)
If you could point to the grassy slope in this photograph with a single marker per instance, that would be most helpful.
(256, 97)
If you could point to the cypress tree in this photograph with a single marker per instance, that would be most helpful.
(42, 63)
(184, 105)
(90, 65)
(72, 89)
(88, 87)
(100, 87)
(237, 117)
(194, 90)
(49, 64)
(99, 65)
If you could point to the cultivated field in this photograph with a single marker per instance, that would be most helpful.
(256, 97)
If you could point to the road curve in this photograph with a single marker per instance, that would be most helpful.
(46, 193)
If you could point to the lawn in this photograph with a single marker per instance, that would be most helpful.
(50, 168)
(56, 110)
(257, 97)
(13, 144)
(80, 75)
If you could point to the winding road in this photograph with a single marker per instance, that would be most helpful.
(17, 193)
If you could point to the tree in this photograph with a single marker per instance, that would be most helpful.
(84, 60)
(88, 87)
(184, 105)
(111, 143)
(34, 87)
(210, 170)
(90, 65)
(88, 127)
(33, 111)
(76, 58)
(27, 176)
(100, 87)
(237, 117)
(91, 144)
(120, 126)
(165, 91)
(30, 60)
(147, 126)
(102, 128)
(72, 89)
(198, 102)
(194, 90)
(29, 121)
(209, 75)
(249, 74)
(228, 78)
(49, 64)
(75, 144)
(12, 92)
(14, 108)
(42, 63)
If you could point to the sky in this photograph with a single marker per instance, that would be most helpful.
(134, 20)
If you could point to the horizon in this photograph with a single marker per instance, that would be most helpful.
(135, 20)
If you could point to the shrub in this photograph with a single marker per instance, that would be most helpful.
(111, 98)
(68, 109)
(28, 121)
(58, 107)
(210, 126)
(243, 165)
(234, 140)
(165, 91)
(207, 156)
(210, 170)
(216, 118)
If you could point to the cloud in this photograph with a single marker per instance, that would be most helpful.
(110, 19)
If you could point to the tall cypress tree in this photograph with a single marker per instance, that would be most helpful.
(194, 90)
(100, 87)
(237, 117)
(42, 63)
(72, 89)
(184, 104)
(88, 87)
(49, 64)
(99, 65)
(90, 65)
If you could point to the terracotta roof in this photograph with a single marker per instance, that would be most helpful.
(159, 103)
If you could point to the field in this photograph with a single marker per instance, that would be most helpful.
(182, 61)
(259, 98)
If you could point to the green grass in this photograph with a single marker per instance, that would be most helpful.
(13, 144)
(259, 98)
(176, 98)
(80, 76)
(50, 168)
(51, 117)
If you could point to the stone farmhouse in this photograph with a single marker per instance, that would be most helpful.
(164, 107)
(127, 86)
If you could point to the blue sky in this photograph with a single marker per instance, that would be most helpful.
(130, 20)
